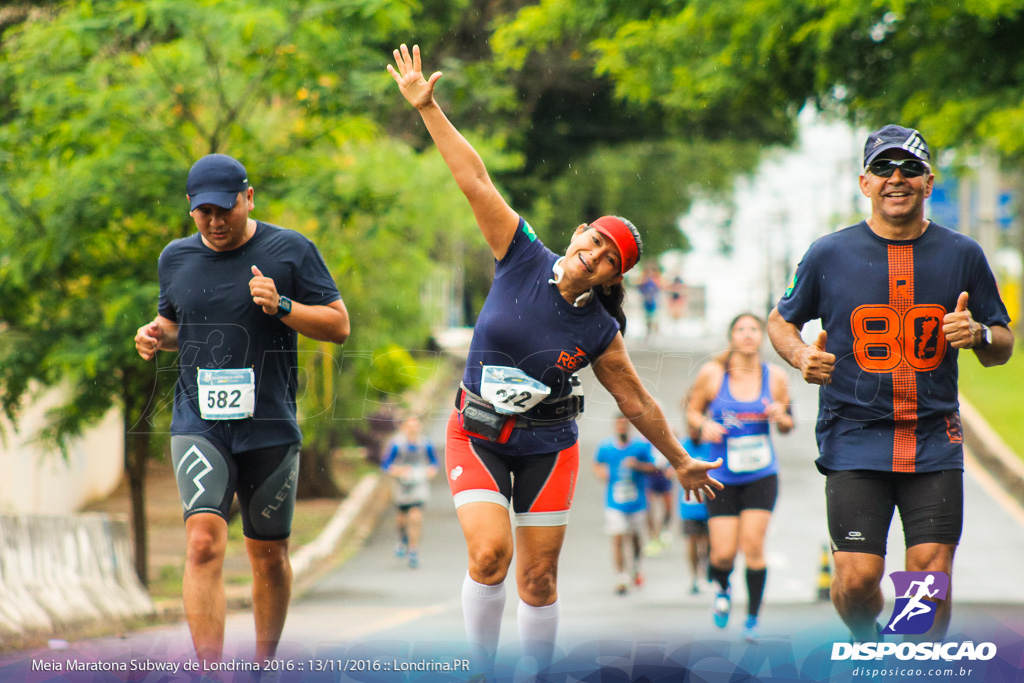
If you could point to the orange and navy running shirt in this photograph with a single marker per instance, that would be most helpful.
(892, 404)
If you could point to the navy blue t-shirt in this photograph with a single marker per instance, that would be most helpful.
(526, 323)
(206, 293)
(892, 404)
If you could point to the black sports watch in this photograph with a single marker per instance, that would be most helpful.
(986, 337)
(284, 307)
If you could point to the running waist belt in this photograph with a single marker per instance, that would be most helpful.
(543, 414)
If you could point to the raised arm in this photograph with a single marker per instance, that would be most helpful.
(495, 217)
(616, 373)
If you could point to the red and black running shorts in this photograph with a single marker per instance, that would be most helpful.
(541, 494)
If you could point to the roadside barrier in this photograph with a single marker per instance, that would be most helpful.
(65, 572)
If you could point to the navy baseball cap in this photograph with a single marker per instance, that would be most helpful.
(895, 137)
(216, 179)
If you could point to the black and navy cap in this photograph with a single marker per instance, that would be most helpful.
(895, 137)
(216, 179)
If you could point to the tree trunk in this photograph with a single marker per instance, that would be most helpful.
(316, 479)
(138, 391)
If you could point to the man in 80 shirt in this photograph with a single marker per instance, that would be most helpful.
(226, 305)
(898, 297)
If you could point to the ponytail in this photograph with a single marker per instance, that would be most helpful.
(611, 297)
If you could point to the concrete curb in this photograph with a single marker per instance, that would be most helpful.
(62, 575)
(350, 510)
(991, 452)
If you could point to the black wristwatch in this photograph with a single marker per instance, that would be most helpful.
(986, 337)
(284, 307)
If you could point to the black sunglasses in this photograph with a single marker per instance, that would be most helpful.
(909, 168)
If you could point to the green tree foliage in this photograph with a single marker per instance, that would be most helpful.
(743, 69)
(109, 104)
(541, 95)
(953, 68)
(593, 146)
(643, 49)
(651, 183)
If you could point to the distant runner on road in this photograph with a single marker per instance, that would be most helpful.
(411, 463)
(735, 399)
(622, 464)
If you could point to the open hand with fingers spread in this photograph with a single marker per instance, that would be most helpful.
(409, 76)
(696, 482)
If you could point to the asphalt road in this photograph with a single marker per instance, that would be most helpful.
(374, 614)
(375, 600)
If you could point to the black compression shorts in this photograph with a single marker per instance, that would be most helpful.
(759, 494)
(861, 503)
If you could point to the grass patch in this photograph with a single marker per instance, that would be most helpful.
(996, 393)
(167, 584)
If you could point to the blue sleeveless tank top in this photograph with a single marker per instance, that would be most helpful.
(746, 451)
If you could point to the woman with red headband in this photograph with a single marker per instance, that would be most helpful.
(516, 407)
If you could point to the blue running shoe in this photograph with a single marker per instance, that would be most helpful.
(750, 631)
(414, 560)
(720, 609)
(400, 550)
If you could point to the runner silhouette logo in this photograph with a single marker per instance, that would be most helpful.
(913, 613)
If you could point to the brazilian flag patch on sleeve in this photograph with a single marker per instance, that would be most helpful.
(789, 290)
(528, 231)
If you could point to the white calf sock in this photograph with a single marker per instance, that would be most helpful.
(482, 606)
(538, 627)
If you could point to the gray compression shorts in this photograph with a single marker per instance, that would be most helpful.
(265, 480)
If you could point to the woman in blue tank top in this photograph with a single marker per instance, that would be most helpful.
(735, 399)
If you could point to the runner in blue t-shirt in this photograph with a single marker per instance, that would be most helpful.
(233, 299)
(898, 296)
(623, 464)
(735, 399)
(545, 318)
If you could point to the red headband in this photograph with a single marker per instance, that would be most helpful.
(620, 234)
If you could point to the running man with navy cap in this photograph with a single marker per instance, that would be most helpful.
(898, 297)
(234, 297)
